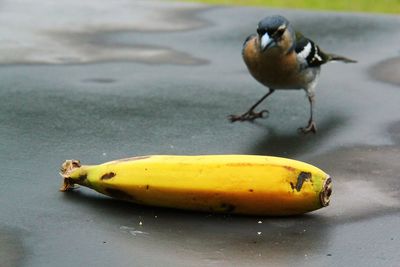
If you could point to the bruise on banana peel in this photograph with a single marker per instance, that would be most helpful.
(238, 184)
(107, 176)
(303, 176)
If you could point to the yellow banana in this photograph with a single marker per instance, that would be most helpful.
(243, 184)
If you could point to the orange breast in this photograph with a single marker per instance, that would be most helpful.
(272, 68)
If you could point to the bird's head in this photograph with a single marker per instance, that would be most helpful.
(274, 31)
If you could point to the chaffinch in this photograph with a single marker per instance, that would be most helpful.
(281, 58)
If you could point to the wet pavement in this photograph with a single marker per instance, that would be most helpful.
(108, 80)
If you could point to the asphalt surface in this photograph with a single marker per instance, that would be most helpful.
(98, 81)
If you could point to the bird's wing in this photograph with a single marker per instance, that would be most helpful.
(310, 52)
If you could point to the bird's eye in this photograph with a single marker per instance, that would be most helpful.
(261, 32)
(279, 32)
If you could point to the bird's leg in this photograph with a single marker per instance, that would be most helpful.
(312, 126)
(250, 115)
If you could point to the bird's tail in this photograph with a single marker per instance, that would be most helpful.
(333, 57)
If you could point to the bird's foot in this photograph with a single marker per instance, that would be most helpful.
(249, 116)
(311, 128)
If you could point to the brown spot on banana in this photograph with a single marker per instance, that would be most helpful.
(82, 178)
(239, 164)
(107, 176)
(289, 168)
(303, 176)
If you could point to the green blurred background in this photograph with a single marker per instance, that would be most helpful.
(376, 6)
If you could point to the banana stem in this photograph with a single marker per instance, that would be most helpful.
(67, 168)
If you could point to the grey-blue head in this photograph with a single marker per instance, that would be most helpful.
(271, 31)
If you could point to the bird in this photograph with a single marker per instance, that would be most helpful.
(281, 58)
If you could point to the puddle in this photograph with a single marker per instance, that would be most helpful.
(72, 32)
(387, 71)
(365, 179)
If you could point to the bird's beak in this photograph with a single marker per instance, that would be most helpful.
(266, 42)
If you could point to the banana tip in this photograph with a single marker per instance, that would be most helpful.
(66, 168)
(325, 195)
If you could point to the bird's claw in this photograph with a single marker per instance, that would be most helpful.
(311, 128)
(249, 116)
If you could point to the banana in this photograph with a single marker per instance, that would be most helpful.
(240, 184)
